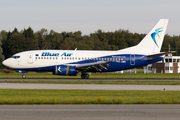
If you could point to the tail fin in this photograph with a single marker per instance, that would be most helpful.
(152, 42)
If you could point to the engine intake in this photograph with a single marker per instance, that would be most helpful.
(65, 70)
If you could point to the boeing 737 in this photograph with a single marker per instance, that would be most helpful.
(71, 62)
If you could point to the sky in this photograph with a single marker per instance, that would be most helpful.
(87, 16)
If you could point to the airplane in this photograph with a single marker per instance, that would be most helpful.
(71, 62)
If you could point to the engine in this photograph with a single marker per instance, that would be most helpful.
(65, 70)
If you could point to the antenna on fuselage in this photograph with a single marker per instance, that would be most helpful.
(75, 49)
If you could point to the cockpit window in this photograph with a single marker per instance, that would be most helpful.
(15, 57)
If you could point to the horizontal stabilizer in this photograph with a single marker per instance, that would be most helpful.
(154, 56)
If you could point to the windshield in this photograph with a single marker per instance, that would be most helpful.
(15, 57)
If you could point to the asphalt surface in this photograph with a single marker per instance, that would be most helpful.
(90, 112)
(87, 86)
(79, 79)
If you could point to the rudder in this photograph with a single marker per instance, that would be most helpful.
(152, 42)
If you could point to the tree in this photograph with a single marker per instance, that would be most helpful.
(30, 42)
(1, 51)
(42, 41)
(55, 39)
(68, 44)
(16, 43)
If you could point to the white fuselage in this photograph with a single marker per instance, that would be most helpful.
(43, 58)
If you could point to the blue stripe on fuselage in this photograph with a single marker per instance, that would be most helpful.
(121, 62)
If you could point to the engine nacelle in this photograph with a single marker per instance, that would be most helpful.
(65, 70)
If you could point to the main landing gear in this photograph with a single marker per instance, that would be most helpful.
(85, 76)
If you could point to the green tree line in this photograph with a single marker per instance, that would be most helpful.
(18, 41)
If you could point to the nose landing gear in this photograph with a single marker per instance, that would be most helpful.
(24, 76)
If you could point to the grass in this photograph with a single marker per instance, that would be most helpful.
(139, 75)
(103, 82)
(16, 96)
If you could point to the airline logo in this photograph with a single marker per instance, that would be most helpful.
(67, 54)
(60, 69)
(153, 35)
(55, 54)
(49, 54)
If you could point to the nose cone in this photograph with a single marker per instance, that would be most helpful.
(6, 63)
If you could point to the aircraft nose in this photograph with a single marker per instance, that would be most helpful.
(5, 63)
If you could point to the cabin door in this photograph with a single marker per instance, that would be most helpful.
(30, 58)
(132, 59)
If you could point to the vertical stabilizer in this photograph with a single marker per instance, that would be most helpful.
(152, 42)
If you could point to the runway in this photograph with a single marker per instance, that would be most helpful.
(87, 86)
(89, 112)
(79, 79)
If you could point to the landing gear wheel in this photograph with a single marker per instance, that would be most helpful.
(23, 76)
(84, 76)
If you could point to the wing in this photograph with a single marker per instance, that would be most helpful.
(97, 66)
